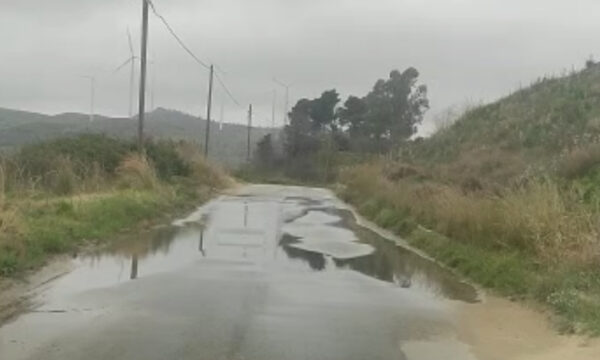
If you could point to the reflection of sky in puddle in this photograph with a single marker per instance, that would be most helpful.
(265, 235)
(289, 272)
(316, 232)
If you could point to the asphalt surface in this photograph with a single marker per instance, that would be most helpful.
(271, 272)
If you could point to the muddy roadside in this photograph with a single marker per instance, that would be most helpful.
(16, 293)
(499, 329)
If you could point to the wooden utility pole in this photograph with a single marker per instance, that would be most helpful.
(249, 130)
(273, 108)
(287, 105)
(143, 58)
(208, 109)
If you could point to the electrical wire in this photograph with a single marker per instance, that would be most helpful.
(220, 81)
(174, 34)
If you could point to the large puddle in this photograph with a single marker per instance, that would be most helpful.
(286, 238)
(298, 233)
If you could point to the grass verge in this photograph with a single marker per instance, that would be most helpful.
(63, 224)
(57, 196)
(468, 244)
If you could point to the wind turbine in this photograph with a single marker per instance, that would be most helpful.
(130, 61)
(287, 99)
(92, 94)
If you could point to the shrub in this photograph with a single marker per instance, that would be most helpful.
(136, 172)
(166, 159)
(37, 160)
(62, 180)
(201, 171)
(579, 162)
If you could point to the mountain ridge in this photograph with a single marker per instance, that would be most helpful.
(228, 144)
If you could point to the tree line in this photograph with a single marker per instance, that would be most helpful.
(320, 128)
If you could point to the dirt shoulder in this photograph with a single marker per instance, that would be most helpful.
(15, 294)
(498, 329)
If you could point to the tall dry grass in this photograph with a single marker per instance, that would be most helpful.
(539, 217)
(135, 171)
(201, 170)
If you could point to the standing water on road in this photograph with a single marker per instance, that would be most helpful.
(271, 272)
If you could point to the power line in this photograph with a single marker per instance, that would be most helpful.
(183, 45)
(222, 83)
(191, 53)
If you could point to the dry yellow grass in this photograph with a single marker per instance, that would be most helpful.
(136, 172)
(202, 171)
(538, 217)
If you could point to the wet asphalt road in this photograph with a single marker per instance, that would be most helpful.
(273, 272)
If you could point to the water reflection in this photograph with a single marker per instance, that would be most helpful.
(389, 262)
(134, 267)
(201, 243)
(252, 232)
(316, 261)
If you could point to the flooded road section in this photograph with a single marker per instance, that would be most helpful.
(270, 272)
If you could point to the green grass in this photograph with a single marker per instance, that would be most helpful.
(61, 226)
(59, 195)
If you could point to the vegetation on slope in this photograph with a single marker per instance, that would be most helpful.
(508, 196)
(536, 130)
(59, 195)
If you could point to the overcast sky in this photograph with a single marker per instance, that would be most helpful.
(465, 50)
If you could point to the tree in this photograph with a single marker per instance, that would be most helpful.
(299, 133)
(312, 124)
(389, 113)
(265, 152)
(309, 119)
(353, 115)
(322, 110)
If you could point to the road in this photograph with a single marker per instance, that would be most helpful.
(270, 272)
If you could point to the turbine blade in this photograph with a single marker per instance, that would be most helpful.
(130, 42)
(123, 65)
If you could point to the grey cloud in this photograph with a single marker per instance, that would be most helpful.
(464, 49)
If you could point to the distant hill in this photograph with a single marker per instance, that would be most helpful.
(537, 127)
(227, 145)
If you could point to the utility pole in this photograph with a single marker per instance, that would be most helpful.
(153, 85)
(92, 95)
(92, 110)
(131, 73)
(143, 76)
(287, 105)
(273, 108)
(222, 116)
(249, 130)
(208, 109)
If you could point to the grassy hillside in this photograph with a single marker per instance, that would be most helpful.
(534, 130)
(228, 145)
(509, 196)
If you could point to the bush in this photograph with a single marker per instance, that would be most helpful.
(166, 160)
(136, 172)
(200, 170)
(37, 160)
(579, 162)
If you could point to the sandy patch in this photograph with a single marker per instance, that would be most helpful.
(498, 329)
